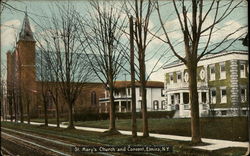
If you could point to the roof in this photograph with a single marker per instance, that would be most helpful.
(26, 32)
(149, 84)
(237, 46)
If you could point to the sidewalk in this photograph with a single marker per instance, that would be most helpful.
(214, 143)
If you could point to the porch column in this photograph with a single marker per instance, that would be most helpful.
(169, 102)
(181, 98)
(106, 107)
(120, 106)
(181, 105)
(200, 98)
(207, 97)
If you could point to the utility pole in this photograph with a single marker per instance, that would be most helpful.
(132, 66)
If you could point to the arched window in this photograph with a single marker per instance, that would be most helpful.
(156, 104)
(93, 98)
(163, 105)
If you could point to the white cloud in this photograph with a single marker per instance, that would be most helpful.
(9, 32)
(227, 28)
(157, 76)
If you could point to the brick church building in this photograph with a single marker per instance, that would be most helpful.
(24, 90)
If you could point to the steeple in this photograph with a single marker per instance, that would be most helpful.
(26, 32)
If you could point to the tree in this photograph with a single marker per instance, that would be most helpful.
(132, 70)
(141, 10)
(65, 55)
(102, 31)
(197, 37)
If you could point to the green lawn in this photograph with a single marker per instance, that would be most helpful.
(227, 128)
(94, 138)
(233, 128)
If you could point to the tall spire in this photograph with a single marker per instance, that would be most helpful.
(26, 32)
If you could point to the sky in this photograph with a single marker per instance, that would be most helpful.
(39, 11)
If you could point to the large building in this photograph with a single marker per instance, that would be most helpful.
(25, 89)
(222, 85)
(122, 95)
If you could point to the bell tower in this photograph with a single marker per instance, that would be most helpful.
(25, 61)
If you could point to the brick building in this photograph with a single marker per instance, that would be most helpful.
(24, 89)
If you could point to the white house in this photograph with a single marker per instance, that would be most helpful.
(122, 95)
(222, 85)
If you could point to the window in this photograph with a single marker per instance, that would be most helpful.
(223, 95)
(243, 95)
(242, 70)
(116, 93)
(128, 91)
(178, 77)
(177, 98)
(93, 98)
(223, 112)
(172, 99)
(185, 98)
(212, 72)
(163, 105)
(171, 78)
(222, 71)
(213, 96)
(186, 77)
(162, 92)
(203, 97)
(156, 105)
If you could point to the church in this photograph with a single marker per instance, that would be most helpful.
(26, 93)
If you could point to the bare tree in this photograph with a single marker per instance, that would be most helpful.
(102, 33)
(141, 10)
(65, 55)
(197, 41)
(132, 70)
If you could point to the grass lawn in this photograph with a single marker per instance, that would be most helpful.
(50, 120)
(94, 138)
(230, 128)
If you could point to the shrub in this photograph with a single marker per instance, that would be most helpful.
(90, 116)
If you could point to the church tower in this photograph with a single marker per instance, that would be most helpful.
(25, 64)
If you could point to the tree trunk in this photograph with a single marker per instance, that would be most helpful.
(15, 108)
(10, 110)
(144, 111)
(144, 99)
(112, 108)
(28, 111)
(21, 109)
(71, 120)
(133, 96)
(195, 123)
(57, 116)
(45, 112)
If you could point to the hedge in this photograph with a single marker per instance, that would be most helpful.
(89, 116)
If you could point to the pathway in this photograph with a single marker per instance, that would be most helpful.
(214, 144)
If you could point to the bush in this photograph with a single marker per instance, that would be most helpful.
(90, 116)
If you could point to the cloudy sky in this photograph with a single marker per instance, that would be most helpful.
(38, 11)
